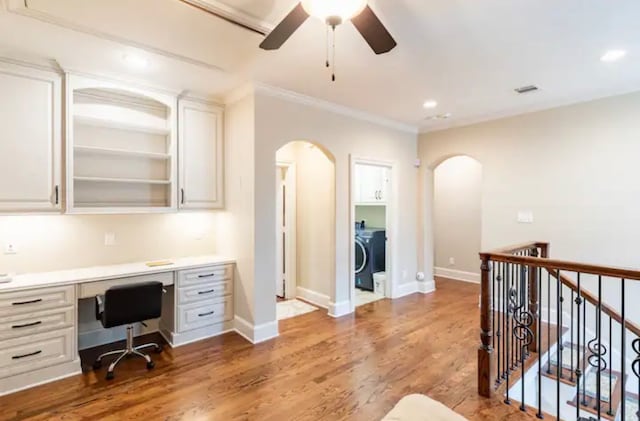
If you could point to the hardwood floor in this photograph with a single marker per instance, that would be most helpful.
(352, 368)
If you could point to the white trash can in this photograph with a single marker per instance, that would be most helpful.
(379, 279)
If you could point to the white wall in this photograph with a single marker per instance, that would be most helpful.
(278, 122)
(54, 242)
(576, 168)
(315, 199)
(457, 212)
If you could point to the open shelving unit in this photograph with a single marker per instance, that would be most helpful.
(121, 155)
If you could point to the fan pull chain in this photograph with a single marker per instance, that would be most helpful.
(333, 73)
(326, 47)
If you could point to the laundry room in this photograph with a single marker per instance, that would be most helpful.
(371, 197)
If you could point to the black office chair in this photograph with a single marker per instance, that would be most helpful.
(126, 305)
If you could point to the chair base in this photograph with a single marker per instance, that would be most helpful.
(129, 351)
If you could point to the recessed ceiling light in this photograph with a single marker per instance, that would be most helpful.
(430, 104)
(613, 55)
(444, 116)
(135, 61)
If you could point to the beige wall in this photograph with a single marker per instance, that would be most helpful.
(315, 200)
(278, 122)
(457, 191)
(374, 216)
(576, 168)
(236, 223)
(54, 242)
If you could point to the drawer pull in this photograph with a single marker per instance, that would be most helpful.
(211, 291)
(27, 302)
(206, 314)
(17, 357)
(210, 275)
(26, 325)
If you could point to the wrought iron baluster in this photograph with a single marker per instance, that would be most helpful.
(559, 338)
(598, 351)
(571, 342)
(508, 333)
(578, 371)
(610, 410)
(539, 313)
(548, 322)
(493, 302)
(635, 365)
(623, 361)
(522, 329)
(505, 332)
(560, 299)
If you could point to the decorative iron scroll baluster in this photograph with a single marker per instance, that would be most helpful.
(560, 322)
(496, 325)
(598, 351)
(635, 365)
(523, 320)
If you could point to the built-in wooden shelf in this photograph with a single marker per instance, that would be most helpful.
(120, 125)
(121, 152)
(121, 180)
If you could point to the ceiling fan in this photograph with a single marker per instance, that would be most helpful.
(333, 13)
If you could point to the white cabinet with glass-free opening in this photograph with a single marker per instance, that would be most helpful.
(371, 184)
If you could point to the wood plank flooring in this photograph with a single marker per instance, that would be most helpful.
(352, 368)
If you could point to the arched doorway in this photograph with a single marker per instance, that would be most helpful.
(457, 217)
(305, 228)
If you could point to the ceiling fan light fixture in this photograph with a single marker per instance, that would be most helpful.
(332, 10)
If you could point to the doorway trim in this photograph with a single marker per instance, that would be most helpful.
(291, 281)
(391, 220)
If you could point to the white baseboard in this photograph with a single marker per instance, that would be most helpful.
(313, 297)
(340, 309)
(458, 275)
(403, 290)
(426, 287)
(256, 334)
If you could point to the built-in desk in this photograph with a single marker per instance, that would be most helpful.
(41, 314)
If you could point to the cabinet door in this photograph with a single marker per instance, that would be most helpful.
(30, 139)
(201, 157)
(371, 184)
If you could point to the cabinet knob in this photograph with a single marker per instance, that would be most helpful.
(182, 196)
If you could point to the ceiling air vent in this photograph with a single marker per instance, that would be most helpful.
(526, 89)
(445, 116)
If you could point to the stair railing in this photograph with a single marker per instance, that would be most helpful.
(529, 305)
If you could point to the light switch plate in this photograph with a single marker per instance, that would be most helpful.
(109, 239)
(525, 217)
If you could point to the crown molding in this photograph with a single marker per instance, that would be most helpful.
(239, 93)
(21, 8)
(236, 16)
(355, 113)
(47, 65)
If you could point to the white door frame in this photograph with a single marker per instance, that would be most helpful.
(391, 249)
(290, 269)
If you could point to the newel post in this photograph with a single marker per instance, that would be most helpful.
(485, 352)
(534, 303)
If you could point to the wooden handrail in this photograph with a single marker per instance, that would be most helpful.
(608, 310)
(614, 272)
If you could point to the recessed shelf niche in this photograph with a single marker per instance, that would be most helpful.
(122, 149)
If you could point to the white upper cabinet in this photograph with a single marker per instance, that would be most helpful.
(201, 159)
(370, 184)
(30, 139)
(121, 148)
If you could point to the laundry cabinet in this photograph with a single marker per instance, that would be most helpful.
(30, 139)
(371, 184)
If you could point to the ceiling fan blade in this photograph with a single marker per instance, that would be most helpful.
(373, 31)
(285, 29)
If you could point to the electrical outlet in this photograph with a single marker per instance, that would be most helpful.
(404, 274)
(452, 261)
(10, 248)
(109, 239)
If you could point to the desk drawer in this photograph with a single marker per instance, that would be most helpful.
(205, 313)
(204, 292)
(35, 352)
(21, 302)
(33, 323)
(192, 277)
(91, 289)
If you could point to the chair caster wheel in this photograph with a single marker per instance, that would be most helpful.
(110, 375)
(159, 350)
(150, 365)
(97, 365)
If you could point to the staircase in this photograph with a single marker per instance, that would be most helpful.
(551, 343)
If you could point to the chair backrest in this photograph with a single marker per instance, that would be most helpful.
(129, 304)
